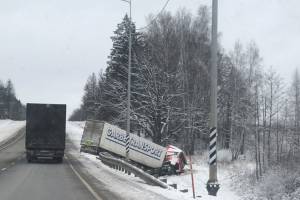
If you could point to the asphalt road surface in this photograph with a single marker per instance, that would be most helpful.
(20, 180)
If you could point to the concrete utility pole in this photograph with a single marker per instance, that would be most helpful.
(129, 84)
(212, 183)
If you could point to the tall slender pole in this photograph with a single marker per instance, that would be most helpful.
(192, 175)
(129, 86)
(212, 184)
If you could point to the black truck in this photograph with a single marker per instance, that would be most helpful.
(45, 131)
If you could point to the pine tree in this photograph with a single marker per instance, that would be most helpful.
(9, 97)
(10, 106)
(116, 76)
(90, 95)
(2, 97)
(117, 68)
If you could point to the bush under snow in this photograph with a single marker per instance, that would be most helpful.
(276, 184)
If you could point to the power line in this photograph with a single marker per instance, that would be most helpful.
(155, 18)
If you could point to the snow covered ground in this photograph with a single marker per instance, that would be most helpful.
(9, 127)
(130, 187)
(200, 172)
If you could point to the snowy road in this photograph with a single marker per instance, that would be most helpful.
(9, 127)
(20, 180)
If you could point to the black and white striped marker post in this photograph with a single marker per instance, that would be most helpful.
(127, 150)
(213, 146)
(127, 143)
(213, 185)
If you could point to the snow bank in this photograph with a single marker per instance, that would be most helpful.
(9, 127)
(200, 171)
(74, 132)
(277, 183)
(125, 186)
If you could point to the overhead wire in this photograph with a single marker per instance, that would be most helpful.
(155, 18)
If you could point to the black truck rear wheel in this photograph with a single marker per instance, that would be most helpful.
(59, 159)
(29, 158)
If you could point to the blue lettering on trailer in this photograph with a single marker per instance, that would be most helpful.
(136, 145)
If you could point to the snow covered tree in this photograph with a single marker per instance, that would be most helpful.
(10, 106)
(273, 91)
(295, 108)
(116, 75)
(78, 115)
(239, 82)
(90, 95)
(117, 68)
(193, 73)
(173, 87)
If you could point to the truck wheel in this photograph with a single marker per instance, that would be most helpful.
(29, 159)
(59, 160)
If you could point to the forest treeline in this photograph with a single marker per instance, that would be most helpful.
(257, 111)
(10, 106)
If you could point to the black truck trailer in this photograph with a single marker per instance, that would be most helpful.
(45, 131)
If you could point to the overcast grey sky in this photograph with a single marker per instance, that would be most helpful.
(49, 47)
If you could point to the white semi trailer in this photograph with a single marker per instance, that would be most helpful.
(99, 135)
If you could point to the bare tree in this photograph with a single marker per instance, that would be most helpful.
(274, 92)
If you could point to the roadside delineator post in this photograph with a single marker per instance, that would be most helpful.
(127, 146)
(212, 184)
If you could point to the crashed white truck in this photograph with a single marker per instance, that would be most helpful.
(101, 136)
